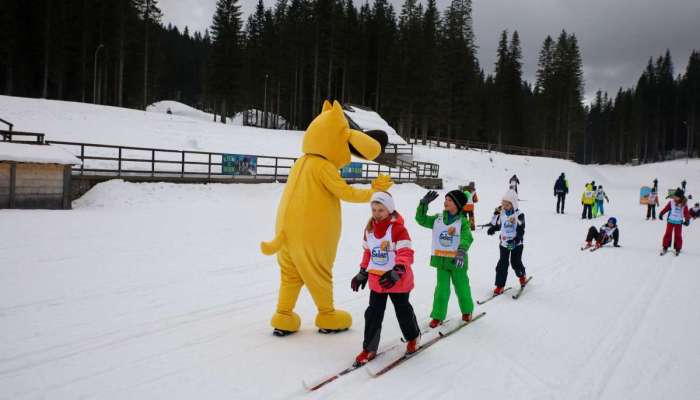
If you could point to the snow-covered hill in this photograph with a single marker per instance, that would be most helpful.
(159, 290)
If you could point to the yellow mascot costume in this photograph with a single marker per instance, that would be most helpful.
(308, 218)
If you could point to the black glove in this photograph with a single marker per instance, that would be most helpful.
(459, 258)
(686, 222)
(389, 279)
(491, 231)
(429, 197)
(359, 281)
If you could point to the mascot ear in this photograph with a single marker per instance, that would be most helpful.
(368, 145)
(380, 136)
(326, 106)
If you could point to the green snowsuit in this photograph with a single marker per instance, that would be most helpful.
(446, 269)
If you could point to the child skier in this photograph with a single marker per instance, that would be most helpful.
(604, 235)
(511, 223)
(513, 183)
(652, 202)
(600, 195)
(695, 211)
(470, 192)
(678, 214)
(587, 200)
(452, 237)
(386, 264)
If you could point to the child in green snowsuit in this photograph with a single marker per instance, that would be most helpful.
(451, 240)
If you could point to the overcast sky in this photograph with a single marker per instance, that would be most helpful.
(616, 37)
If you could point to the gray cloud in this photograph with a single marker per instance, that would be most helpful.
(616, 37)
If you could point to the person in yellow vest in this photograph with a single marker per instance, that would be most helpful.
(309, 218)
(587, 200)
(472, 198)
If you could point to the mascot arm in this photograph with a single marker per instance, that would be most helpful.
(331, 179)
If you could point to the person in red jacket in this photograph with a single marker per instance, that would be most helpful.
(386, 265)
(678, 214)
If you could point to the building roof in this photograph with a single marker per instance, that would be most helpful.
(36, 153)
(368, 119)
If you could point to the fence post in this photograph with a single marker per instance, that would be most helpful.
(153, 162)
(82, 158)
(276, 163)
(209, 168)
(182, 170)
(119, 169)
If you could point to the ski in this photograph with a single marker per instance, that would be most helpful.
(324, 381)
(422, 347)
(522, 287)
(663, 252)
(586, 247)
(493, 296)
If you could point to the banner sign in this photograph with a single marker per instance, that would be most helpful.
(237, 164)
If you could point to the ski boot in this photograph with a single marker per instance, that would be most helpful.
(498, 290)
(364, 357)
(412, 345)
(523, 280)
(435, 323)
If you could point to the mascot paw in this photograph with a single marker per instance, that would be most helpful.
(334, 320)
(382, 183)
(286, 322)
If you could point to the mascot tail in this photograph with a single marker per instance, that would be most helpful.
(272, 247)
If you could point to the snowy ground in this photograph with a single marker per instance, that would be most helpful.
(159, 291)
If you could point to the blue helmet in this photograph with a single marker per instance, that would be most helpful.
(612, 220)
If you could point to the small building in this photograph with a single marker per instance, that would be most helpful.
(35, 176)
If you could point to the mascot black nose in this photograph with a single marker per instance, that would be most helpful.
(376, 134)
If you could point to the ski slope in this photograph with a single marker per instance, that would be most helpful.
(159, 290)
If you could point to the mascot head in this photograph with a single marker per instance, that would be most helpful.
(329, 136)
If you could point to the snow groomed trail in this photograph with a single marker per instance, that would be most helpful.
(159, 291)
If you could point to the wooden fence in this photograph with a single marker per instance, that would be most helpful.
(509, 149)
(129, 161)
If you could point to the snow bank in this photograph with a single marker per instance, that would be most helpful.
(33, 153)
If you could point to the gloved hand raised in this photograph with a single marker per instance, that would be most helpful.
(491, 231)
(429, 197)
(459, 258)
(382, 183)
(389, 279)
(359, 281)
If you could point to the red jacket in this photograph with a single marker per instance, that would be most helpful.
(684, 210)
(401, 241)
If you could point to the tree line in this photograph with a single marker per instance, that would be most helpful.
(417, 66)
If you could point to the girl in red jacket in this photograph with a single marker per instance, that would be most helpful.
(386, 264)
(678, 215)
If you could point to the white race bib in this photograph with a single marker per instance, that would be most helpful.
(446, 237)
(383, 255)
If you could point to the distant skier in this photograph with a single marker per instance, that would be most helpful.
(587, 200)
(604, 235)
(452, 238)
(472, 198)
(655, 185)
(600, 195)
(695, 211)
(652, 202)
(678, 215)
(386, 264)
(511, 223)
(561, 189)
(513, 183)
